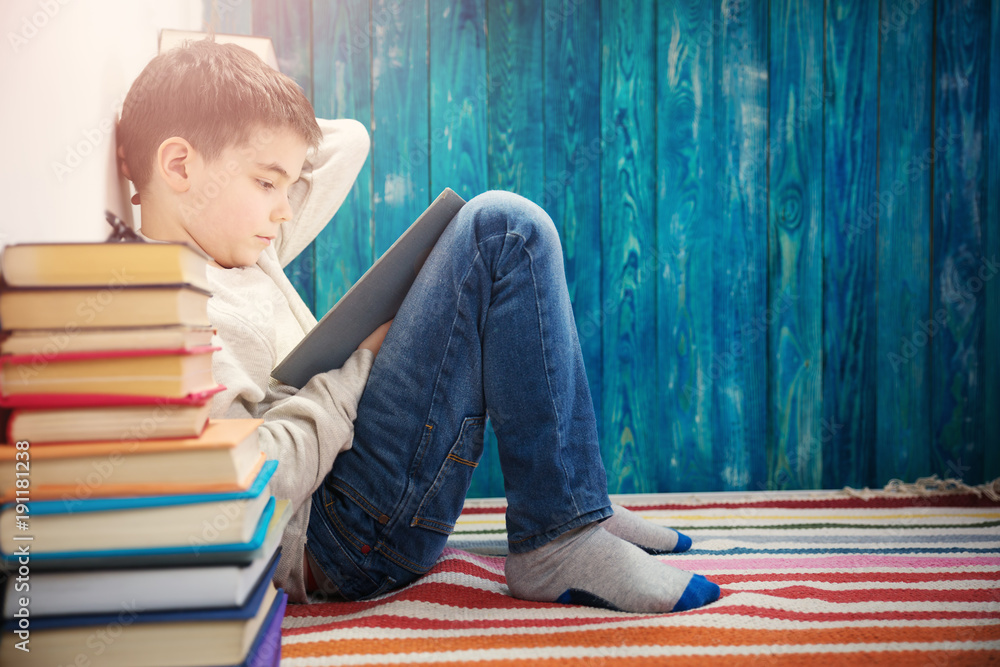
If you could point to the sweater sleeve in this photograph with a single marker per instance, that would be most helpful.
(303, 429)
(327, 177)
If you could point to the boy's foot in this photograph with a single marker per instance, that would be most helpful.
(590, 566)
(647, 536)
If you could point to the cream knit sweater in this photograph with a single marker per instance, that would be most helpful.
(260, 318)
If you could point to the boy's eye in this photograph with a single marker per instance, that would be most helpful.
(265, 184)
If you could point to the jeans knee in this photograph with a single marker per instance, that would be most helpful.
(517, 214)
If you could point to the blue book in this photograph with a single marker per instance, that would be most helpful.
(138, 526)
(134, 638)
(236, 553)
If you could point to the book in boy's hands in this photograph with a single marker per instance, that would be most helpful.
(225, 457)
(372, 301)
(175, 638)
(107, 422)
(52, 341)
(96, 525)
(76, 308)
(168, 373)
(107, 265)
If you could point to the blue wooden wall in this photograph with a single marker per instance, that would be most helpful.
(781, 220)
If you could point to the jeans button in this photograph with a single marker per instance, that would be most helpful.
(383, 519)
(365, 549)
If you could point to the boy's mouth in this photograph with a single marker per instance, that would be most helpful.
(266, 239)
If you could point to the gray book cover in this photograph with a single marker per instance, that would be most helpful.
(370, 302)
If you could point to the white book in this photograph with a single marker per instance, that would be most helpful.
(262, 46)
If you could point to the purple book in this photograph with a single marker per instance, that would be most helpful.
(266, 649)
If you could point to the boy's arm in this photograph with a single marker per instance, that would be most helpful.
(327, 177)
(303, 429)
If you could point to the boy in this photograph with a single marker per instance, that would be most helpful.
(376, 456)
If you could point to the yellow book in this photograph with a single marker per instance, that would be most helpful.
(164, 373)
(51, 341)
(74, 309)
(103, 264)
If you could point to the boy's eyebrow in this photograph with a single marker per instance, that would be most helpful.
(275, 167)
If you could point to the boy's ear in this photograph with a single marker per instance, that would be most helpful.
(122, 164)
(123, 169)
(174, 159)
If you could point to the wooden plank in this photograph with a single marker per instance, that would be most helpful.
(459, 92)
(737, 376)
(400, 134)
(516, 151)
(342, 65)
(900, 218)
(957, 351)
(628, 183)
(850, 144)
(232, 17)
(573, 164)
(288, 24)
(458, 142)
(795, 258)
(991, 244)
(687, 210)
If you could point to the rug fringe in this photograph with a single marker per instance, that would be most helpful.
(929, 486)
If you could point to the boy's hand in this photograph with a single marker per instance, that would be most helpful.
(375, 338)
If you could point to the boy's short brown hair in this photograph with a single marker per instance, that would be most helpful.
(213, 95)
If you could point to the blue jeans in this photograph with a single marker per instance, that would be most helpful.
(487, 327)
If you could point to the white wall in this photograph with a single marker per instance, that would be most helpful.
(65, 66)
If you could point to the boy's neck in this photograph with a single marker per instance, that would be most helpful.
(159, 231)
(159, 227)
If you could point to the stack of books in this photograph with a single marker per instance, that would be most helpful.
(134, 530)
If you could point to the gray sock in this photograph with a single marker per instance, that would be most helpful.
(647, 536)
(590, 566)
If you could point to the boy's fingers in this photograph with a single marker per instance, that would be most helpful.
(374, 340)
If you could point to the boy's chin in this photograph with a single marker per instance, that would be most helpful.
(237, 262)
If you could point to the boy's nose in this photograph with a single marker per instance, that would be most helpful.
(282, 213)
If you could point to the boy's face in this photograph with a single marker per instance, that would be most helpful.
(237, 202)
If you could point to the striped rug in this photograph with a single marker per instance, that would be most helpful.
(808, 578)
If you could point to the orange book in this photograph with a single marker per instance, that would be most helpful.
(225, 457)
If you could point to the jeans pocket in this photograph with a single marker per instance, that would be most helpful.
(441, 505)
